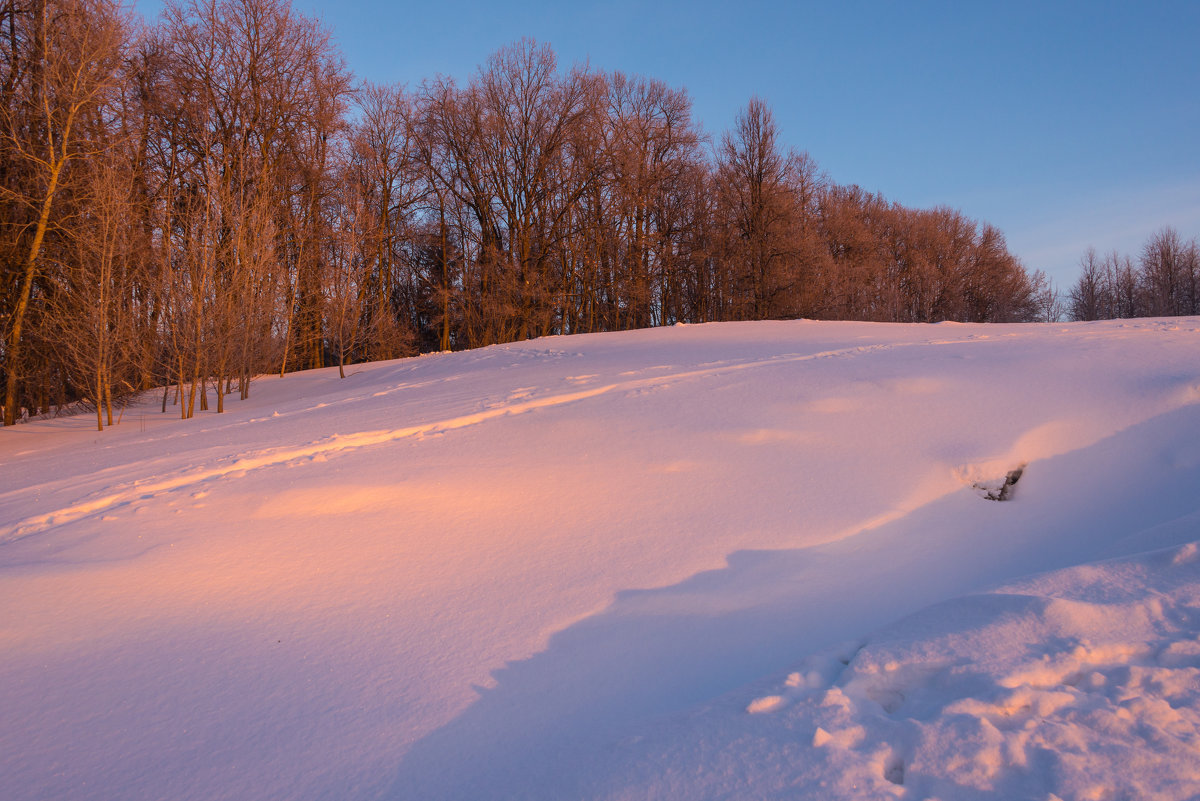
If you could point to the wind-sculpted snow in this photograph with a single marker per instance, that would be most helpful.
(682, 563)
(1080, 683)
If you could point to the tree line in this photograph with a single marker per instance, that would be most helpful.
(1163, 282)
(189, 203)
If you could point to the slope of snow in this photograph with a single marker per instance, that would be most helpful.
(624, 565)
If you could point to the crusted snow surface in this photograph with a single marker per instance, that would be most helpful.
(684, 563)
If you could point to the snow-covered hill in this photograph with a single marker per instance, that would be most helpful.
(726, 561)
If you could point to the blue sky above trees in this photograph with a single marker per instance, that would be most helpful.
(1064, 124)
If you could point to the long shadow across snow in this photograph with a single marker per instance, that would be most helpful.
(558, 724)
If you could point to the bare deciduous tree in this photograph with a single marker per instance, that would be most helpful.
(63, 66)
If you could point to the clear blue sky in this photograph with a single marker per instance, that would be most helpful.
(1064, 124)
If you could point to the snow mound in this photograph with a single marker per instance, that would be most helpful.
(1081, 683)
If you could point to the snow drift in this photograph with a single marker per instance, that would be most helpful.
(736, 560)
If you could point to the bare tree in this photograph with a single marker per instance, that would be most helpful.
(1164, 268)
(260, 96)
(755, 183)
(93, 308)
(1049, 306)
(652, 149)
(386, 164)
(1164, 282)
(70, 52)
(1086, 298)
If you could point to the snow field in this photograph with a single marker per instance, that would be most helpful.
(562, 568)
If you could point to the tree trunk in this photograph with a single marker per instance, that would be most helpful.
(13, 350)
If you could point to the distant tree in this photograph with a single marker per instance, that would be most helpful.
(761, 212)
(854, 256)
(1048, 301)
(1124, 292)
(1086, 298)
(999, 288)
(1163, 269)
(1164, 282)
(1190, 277)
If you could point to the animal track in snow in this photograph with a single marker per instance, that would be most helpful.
(893, 770)
(814, 674)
